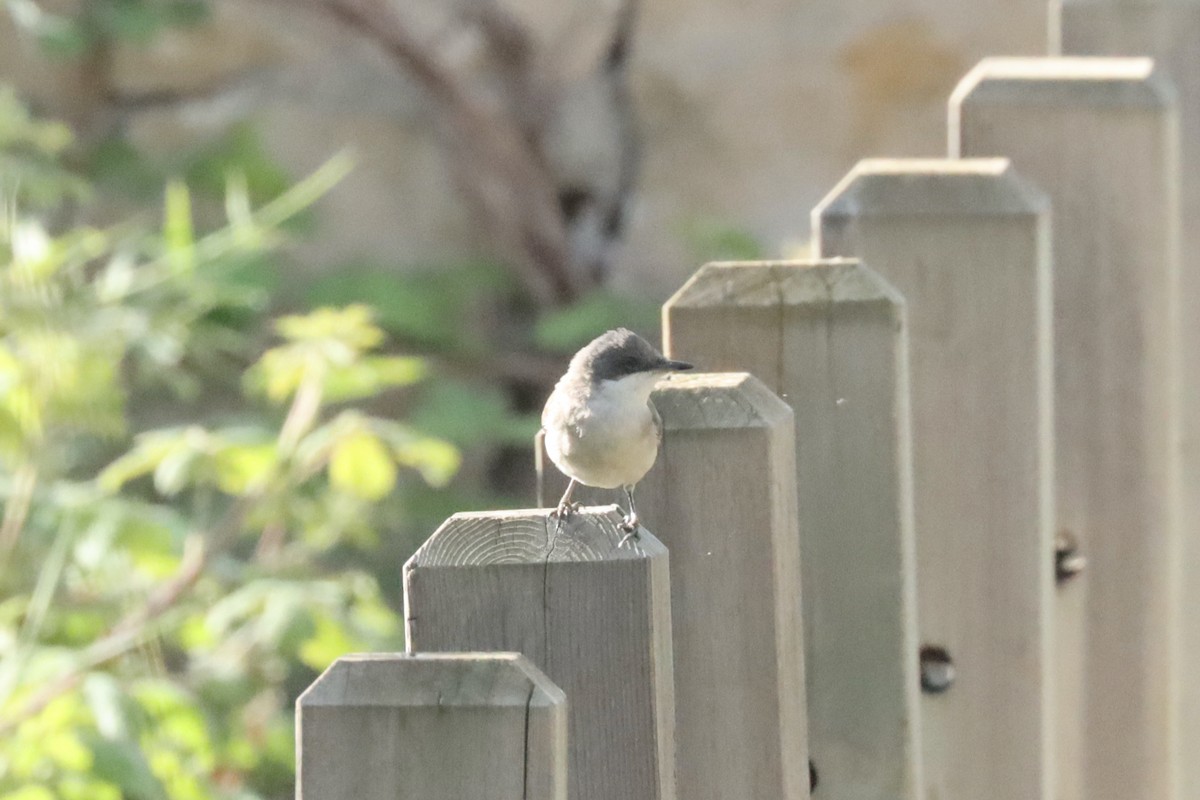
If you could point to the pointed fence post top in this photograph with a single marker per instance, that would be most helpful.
(460, 680)
(532, 535)
(811, 283)
(1069, 80)
(885, 187)
(718, 400)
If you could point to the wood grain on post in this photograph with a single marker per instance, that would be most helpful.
(468, 726)
(594, 616)
(967, 244)
(1100, 137)
(828, 337)
(722, 498)
(1168, 30)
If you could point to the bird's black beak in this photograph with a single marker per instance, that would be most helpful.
(676, 366)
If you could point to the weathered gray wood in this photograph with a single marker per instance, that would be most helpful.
(594, 616)
(1100, 137)
(829, 338)
(468, 726)
(1168, 31)
(723, 498)
(967, 244)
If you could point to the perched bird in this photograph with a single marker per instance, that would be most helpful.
(599, 426)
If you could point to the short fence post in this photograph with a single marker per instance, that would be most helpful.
(722, 498)
(828, 337)
(1100, 137)
(967, 244)
(595, 616)
(469, 726)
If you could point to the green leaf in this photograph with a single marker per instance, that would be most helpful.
(711, 240)
(432, 306)
(29, 792)
(470, 415)
(64, 748)
(64, 38)
(135, 20)
(147, 454)
(114, 162)
(185, 13)
(176, 470)
(361, 465)
(240, 152)
(178, 235)
(122, 763)
(437, 460)
(329, 642)
(245, 468)
(351, 325)
(565, 330)
(278, 373)
(108, 705)
(371, 375)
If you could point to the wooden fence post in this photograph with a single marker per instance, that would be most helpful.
(967, 244)
(722, 498)
(594, 616)
(468, 726)
(1168, 30)
(1100, 137)
(828, 337)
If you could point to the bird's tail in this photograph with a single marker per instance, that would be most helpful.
(539, 465)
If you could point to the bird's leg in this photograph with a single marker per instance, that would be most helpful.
(630, 523)
(565, 507)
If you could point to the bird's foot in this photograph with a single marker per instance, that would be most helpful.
(630, 526)
(566, 510)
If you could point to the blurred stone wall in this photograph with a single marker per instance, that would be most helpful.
(749, 110)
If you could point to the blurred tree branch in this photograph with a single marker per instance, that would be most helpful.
(495, 156)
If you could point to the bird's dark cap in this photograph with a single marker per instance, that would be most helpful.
(620, 353)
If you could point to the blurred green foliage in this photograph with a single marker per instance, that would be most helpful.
(165, 592)
(73, 34)
(203, 505)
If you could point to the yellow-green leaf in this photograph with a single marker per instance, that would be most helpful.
(371, 375)
(244, 468)
(145, 457)
(328, 643)
(177, 227)
(362, 466)
(353, 325)
(435, 459)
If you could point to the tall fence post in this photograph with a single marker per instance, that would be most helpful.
(967, 244)
(828, 337)
(468, 726)
(1168, 30)
(1100, 137)
(594, 615)
(722, 498)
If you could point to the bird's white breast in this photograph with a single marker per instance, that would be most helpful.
(610, 439)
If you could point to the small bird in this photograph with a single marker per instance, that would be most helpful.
(599, 426)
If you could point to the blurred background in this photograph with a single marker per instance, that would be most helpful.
(285, 283)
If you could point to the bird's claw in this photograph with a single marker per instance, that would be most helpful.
(630, 526)
(566, 510)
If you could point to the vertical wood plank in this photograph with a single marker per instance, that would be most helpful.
(1100, 137)
(828, 337)
(469, 726)
(723, 498)
(594, 616)
(1168, 31)
(967, 245)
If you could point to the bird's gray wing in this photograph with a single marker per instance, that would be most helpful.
(656, 420)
